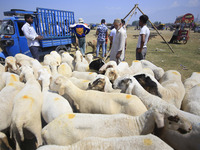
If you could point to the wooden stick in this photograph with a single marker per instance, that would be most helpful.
(130, 12)
(157, 31)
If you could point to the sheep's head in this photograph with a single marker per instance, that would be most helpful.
(169, 118)
(100, 83)
(60, 81)
(112, 74)
(123, 83)
(25, 70)
(148, 84)
(44, 76)
(10, 63)
(96, 64)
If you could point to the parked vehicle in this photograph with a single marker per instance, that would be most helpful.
(197, 29)
(185, 22)
(13, 41)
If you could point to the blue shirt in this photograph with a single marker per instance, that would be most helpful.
(80, 29)
(102, 29)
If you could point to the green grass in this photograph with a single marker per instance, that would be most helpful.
(185, 59)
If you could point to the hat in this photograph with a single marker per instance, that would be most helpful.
(80, 20)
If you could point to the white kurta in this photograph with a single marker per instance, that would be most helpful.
(118, 45)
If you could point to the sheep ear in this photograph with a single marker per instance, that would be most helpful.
(21, 77)
(61, 90)
(159, 119)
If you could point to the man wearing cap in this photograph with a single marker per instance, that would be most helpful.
(81, 31)
(31, 36)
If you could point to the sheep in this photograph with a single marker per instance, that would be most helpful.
(112, 74)
(191, 101)
(27, 107)
(144, 142)
(96, 64)
(35, 64)
(7, 94)
(67, 58)
(4, 144)
(84, 75)
(193, 80)
(177, 141)
(11, 65)
(170, 88)
(65, 70)
(70, 128)
(99, 102)
(22, 59)
(56, 56)
(158, 72)
(110, 64)
(102, 83)
(89, 58)
(53, 105)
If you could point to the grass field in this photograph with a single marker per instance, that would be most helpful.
(185, 59)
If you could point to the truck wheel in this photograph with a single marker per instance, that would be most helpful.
(2, 61)
(61, 49)
(184, 41)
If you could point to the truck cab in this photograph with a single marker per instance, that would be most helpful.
(13, 41)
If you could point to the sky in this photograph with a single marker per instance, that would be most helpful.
(92, 11)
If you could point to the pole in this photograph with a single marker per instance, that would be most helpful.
(157, 31)
(130, 12)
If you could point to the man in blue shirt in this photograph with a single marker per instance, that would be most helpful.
(102, 32)
(81, 30)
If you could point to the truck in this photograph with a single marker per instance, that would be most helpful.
(53, 25)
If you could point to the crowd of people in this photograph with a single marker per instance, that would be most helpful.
(117, 37)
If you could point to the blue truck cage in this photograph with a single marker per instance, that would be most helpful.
(53, 25)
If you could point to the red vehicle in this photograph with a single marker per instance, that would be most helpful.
(184, 21)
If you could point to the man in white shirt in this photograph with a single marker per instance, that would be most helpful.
(112, 36)
(118, 47)
(31, 36)
(143, 38)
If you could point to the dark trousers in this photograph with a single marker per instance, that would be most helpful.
(174, 37)
(35, 51)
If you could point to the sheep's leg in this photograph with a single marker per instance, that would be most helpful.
(36, 129)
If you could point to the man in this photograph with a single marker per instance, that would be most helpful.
(102, 32)
(124, 27)
(31, 36)
(81, 31)
(175, 34)
(118, 47)
(143, 38)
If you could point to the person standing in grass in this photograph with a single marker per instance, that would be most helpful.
(81, 31)
(117, 52)
(143, 38)
(102, 32)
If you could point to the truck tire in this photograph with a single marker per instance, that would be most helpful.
(62, 48)
(2, 61)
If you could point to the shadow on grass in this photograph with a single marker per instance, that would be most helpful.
(171, 43)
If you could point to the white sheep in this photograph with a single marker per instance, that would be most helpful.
(170, 88)
(70, 128)
(67, 58)
(144, 142)
(27, 107)
(177, 141)
(112, 74)
(22, 59)
(11, 65)
(7, 94)
(35, 64)
(191, 101)
(54, 104)
(2, 68)
(100, 102)
(158, 71)
(65, 70)
(89, 58)
(193, 80)
(56, 56)
(84, 75)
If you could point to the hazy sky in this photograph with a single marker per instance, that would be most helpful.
(92, 11)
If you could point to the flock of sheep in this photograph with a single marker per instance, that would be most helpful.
(78, 103)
